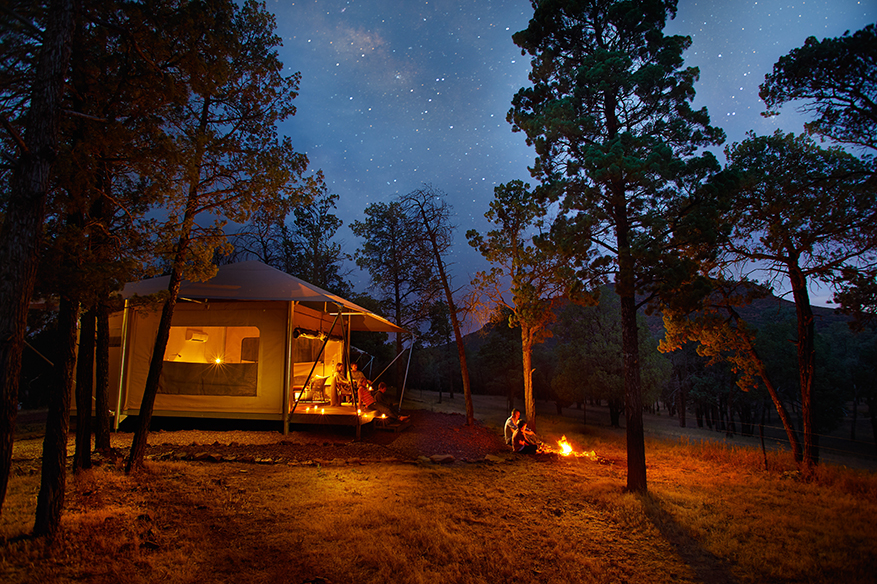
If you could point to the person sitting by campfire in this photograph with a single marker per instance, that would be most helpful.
(511, 425)
(523, 440)
(375, 402)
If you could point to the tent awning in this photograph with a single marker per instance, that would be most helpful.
(254, 280)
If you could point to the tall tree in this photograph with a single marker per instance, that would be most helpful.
(304, 247)
(722, 335)
(35, 149)
(400, 274)
(309, 251)
(230, 160)
(617, 142)
(589, 359)
(807, 214)
(833, 79)
(428, 208)
(531, 273)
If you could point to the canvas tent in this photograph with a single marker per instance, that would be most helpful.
(242, 344)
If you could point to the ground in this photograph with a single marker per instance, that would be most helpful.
(441, 502)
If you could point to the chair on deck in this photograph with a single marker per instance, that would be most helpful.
(315, 390)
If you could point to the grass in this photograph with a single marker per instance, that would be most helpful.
(713, 514)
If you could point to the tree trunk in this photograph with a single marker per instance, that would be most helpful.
(50, 501)
(25, 208)
(139, 442)
(527, 358)
(855, 414)
(84, 391)
(806, 361)
(452, 310)
(872, 413)
(615, 409)
(774, 395)
(633, 407)
(102, 421)
(153, 377)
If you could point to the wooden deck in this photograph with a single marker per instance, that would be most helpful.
(323, 414)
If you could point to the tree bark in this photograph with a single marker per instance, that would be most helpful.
(84, 391)
(806, 361)
(633, 402)
(452, 310)
(527, 359)
(50, 501)
(21, 232)
(141, 434)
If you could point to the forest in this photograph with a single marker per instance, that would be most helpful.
(638, 270)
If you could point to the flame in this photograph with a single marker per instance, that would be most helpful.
(565, 447)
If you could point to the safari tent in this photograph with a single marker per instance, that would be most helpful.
(252, 342)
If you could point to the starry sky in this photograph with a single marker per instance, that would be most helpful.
(398, 93)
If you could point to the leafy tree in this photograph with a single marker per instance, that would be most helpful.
(428, 208)
(589, 357)
(499, 364)
(833, 79)
(806, 213)
(230, 161)
(722, 335)
(618, 144)
(439, 335)
(308, 247)
(34, 138)
(530, 273)
(304, 248)
(400, 274)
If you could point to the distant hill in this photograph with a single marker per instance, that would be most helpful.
(756, 314)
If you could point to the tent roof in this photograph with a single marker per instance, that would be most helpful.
(254, 280)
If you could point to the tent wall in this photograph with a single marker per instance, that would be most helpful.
(248, 380)
(251, 389)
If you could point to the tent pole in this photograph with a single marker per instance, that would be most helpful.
(314, 366)
(354, 390)
(405, 379)
(123, 378)
(388, 366)
(288, 377)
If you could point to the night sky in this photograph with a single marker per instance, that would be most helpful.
(398, 93)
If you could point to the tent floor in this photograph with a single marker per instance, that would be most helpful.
(328, 415)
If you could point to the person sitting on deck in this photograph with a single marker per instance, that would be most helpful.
(338, 386)
(367, 401)
(356, 375)
(523, 441)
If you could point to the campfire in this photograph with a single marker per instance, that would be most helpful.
(566, 449)
(565, 446)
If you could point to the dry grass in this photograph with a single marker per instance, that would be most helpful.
(713, 515)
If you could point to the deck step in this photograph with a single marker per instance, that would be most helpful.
(389, 425)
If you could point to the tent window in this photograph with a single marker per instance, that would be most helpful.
(211, 360)
(213, 344)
